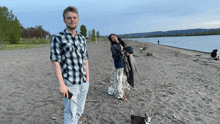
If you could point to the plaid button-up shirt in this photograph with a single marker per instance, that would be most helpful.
(70, 51)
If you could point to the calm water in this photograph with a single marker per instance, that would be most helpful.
(201, 43)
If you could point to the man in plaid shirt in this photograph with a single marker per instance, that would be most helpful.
(70, 61)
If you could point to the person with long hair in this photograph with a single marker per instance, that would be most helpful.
(215, 55)
(118, 80)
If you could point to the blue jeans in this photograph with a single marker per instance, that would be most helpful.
(74, 107)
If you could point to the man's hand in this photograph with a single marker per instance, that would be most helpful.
(64, 90)
(87, 79)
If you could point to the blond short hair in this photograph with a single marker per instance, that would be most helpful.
(70, 9)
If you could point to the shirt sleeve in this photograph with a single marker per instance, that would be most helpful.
(86, 56)
(55, 50)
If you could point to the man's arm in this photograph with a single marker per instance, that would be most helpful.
(87, 70)
(63, 88)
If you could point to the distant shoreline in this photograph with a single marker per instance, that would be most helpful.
(179, 48)
(203, 43)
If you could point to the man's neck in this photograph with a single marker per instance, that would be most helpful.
(72, 31)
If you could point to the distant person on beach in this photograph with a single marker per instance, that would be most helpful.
(215, 55)
(70, 61)
(158, 42)
(118, 80)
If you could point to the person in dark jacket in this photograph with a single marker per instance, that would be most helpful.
(118, 80)
(215, 55)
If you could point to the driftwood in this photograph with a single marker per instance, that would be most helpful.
(149, 54)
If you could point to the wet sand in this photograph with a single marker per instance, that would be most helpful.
(173, 86)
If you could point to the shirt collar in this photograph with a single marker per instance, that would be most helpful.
(68, 33)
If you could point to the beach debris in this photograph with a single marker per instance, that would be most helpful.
(54, 118)
(141, 50)
(176, 53)
(145, 47)
(196, 60)
(135, 55)
(96, 105)
(92, 101)
(150, 54)
(174, 116)
(198, 55)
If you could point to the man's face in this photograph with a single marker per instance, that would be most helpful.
(71, 20)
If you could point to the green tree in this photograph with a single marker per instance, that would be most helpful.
(93, 35)
(83, 30)
(37, 27)
(10, 27)
(4, 18)
(38, 30)
(97, 34)
(15, 31)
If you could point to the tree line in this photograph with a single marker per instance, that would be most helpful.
(211, 32)
(91, 34)
(35, 32)
(12, 30)
(10, 27)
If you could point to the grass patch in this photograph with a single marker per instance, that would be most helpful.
(35, 41)
(25, 44)
(99, 39)
(15, 45)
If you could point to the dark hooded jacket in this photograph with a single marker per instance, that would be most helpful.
(117, 55)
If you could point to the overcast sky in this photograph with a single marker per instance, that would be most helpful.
(119, 16)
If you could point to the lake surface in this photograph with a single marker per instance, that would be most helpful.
(200, 43)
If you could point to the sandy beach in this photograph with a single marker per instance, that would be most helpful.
(173, 86)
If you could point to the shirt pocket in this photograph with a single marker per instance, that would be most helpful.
(68, 49)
